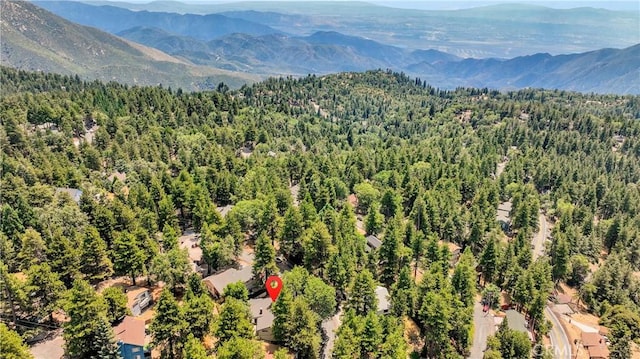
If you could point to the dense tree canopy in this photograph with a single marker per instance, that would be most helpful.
(428, 169)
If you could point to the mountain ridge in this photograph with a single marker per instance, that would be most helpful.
(35, 39)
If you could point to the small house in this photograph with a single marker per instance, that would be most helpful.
(130, 335)
(262, 318)
(596, 345)
(384, 306)
(217, 282)
(373, 243)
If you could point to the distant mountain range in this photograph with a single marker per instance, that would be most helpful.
(189, 49)
(35, 39)
(501, 31)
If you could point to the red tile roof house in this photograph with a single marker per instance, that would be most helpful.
(130, 335)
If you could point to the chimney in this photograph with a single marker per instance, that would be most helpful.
(260, 311)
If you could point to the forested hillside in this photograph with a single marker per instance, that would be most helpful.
(365, 154)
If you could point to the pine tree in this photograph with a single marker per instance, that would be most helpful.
(390, 252)
(168, 325)
(128, 257)
(85, 310)
(362, 297)
(193, 349)
(290, 234)
(488, 259)
(304, 337)
(96, 264)
(104, 343)
(116, 302)
(198, 312)
(234, 321)
(371, 336)
(33, 249)
(264, 264)
(374, 220)
(282, 309)
(11, 345)
(464, 278)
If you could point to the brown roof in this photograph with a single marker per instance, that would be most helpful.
(591, 339)
(598, 352)
(130, 331)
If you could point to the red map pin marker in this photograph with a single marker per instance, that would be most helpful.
(274, 286)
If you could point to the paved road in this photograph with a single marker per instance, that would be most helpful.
(483, 327)
(540, 238)
(559, 341)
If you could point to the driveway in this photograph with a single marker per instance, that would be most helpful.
(483, 327)
(49, 349)
(560, 345)
(330, 326)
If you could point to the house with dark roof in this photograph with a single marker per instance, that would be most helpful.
(262, 318)
(130, 335)
(217, 282)
(372, 243)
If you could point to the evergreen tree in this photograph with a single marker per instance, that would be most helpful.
(264, 264)
(45, 289)
(374, 221)
(104, 343)
(290, 235)
(11, 345)
(197, 311)
(371, 336)
(304, 336)
(240, 348)
(362, 297)
(464, 278)
(193, 349)
(168, 325)
(85, 311)
(116, 302)
(488, 259)
(234, 321)
(237, 290)
(95, 262)
(128, 257)
(33, 249)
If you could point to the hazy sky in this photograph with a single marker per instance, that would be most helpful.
(452, 4)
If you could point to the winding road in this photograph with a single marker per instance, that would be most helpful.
(560, 346)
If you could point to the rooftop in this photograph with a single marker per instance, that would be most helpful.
(265, 319)
(130, 331)
(591, 339)
(598, 352)
(224, 210)
(517, 321)
(383, 299)
(74, 193)
(373, 242)
(220, 280)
